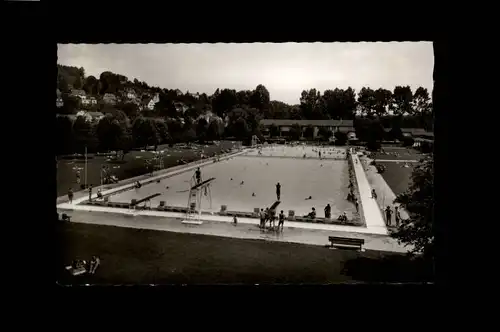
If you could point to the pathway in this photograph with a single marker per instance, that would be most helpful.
(245, 229)
(373, 217)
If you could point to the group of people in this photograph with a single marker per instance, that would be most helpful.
(388, 216)
(269, 215)
(351, 197)
(90, 268)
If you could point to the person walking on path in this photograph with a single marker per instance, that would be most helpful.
(397, 216)
(388, 214)
(78, 180)
(90, 193)
(281, 220)
(70, 196)
(356, 203)
(278, 191)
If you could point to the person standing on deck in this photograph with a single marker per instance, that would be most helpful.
(281, 220)
(328, 210)
(278, 191)
(78, 177)
(397, 216)
(262, 218)
(70, 196)
(198, 176)
(90, 193)
(388, 214)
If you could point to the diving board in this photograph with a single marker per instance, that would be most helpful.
(193, 213)
(147, 198)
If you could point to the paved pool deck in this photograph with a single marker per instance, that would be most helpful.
(293, 232)
(372, 214)
(375, 233)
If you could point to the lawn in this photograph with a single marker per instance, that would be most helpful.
(397, 177)
(137, 256)
(66, 175)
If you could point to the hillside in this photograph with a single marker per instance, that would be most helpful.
(151, 115)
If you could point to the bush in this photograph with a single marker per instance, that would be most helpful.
(340, 138)
(408, 141)
(380, 168)
(373, 145)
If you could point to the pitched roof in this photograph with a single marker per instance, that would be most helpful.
(288, 122)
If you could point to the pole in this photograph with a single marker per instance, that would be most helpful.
(85, 166)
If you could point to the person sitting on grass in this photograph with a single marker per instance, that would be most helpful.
(138, 185)
(99, 194)
(374, 194)
(342, 218)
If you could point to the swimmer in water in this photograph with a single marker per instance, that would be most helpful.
(253, 194)
(242, 182)
(308, 198)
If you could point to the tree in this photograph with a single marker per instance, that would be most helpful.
(382, 100)
(240, 129)
(83, 133)
(223, 101)
(339, 104)
(201, 129)
(366, 101)
(418, 201)
(402, 98)
(260, 98)
(131, 110)
(91, 85)
(144, 132)
(311, 105)
(110, 133)
(213, 131)
(162, 130)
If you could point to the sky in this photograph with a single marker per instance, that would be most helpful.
(285, 69)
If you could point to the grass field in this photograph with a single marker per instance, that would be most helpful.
(398, 178)
(136, 256)
(66, 175)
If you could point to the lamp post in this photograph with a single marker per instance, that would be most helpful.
(85, 166)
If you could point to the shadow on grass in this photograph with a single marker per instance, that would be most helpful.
(392, 268)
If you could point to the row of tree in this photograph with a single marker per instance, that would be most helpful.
(314, 105)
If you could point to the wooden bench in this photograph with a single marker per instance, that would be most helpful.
(65, 217)
(346, 242)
